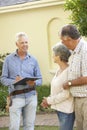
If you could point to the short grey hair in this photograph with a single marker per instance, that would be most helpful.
(20, 34)
(62, 51)
(70, 31)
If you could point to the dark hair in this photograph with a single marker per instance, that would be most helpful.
(62, 51)
(71, 31)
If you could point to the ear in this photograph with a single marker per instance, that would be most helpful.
(58, 57)
(16, 44)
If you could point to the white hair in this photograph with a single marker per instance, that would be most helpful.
(20, 34)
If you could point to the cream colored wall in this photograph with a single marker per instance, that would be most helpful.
(41, 24)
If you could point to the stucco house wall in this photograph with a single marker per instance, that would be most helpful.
(41, 20)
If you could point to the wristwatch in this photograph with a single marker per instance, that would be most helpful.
(69, 83)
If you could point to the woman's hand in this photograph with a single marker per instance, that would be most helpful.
(44, 103)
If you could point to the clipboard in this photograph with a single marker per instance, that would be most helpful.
(23, 81)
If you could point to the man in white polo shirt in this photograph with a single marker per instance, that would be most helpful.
(77, 72)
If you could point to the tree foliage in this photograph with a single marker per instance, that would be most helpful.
(79, 14)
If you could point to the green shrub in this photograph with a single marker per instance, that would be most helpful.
(1, 61)
(43, 91)
(3, 95)
(3, 89)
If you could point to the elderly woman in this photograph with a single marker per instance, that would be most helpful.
(60, 99)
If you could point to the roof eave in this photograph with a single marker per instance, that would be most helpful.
(31, 5)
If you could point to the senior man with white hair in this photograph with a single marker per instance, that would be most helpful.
(16, 67)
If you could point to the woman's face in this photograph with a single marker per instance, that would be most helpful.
(56, 58)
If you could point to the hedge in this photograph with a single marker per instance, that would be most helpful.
(43, 91)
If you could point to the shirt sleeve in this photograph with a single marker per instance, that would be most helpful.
(58, 98)
(37, 73)
(84, 64)
(5, 80)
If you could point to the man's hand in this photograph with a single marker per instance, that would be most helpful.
(66, 86)
(18, 78)
(30, 83)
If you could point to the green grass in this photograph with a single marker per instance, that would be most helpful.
(40, 128)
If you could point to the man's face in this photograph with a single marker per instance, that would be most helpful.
(68, 42)
(22, 44)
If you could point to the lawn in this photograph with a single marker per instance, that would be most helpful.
(40, 128)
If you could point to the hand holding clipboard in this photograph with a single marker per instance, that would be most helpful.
(24, 80)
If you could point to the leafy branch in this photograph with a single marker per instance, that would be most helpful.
(79, 14)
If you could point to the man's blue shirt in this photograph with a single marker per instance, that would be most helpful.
(13, 66)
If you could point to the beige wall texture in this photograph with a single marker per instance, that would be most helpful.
(41, 20)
